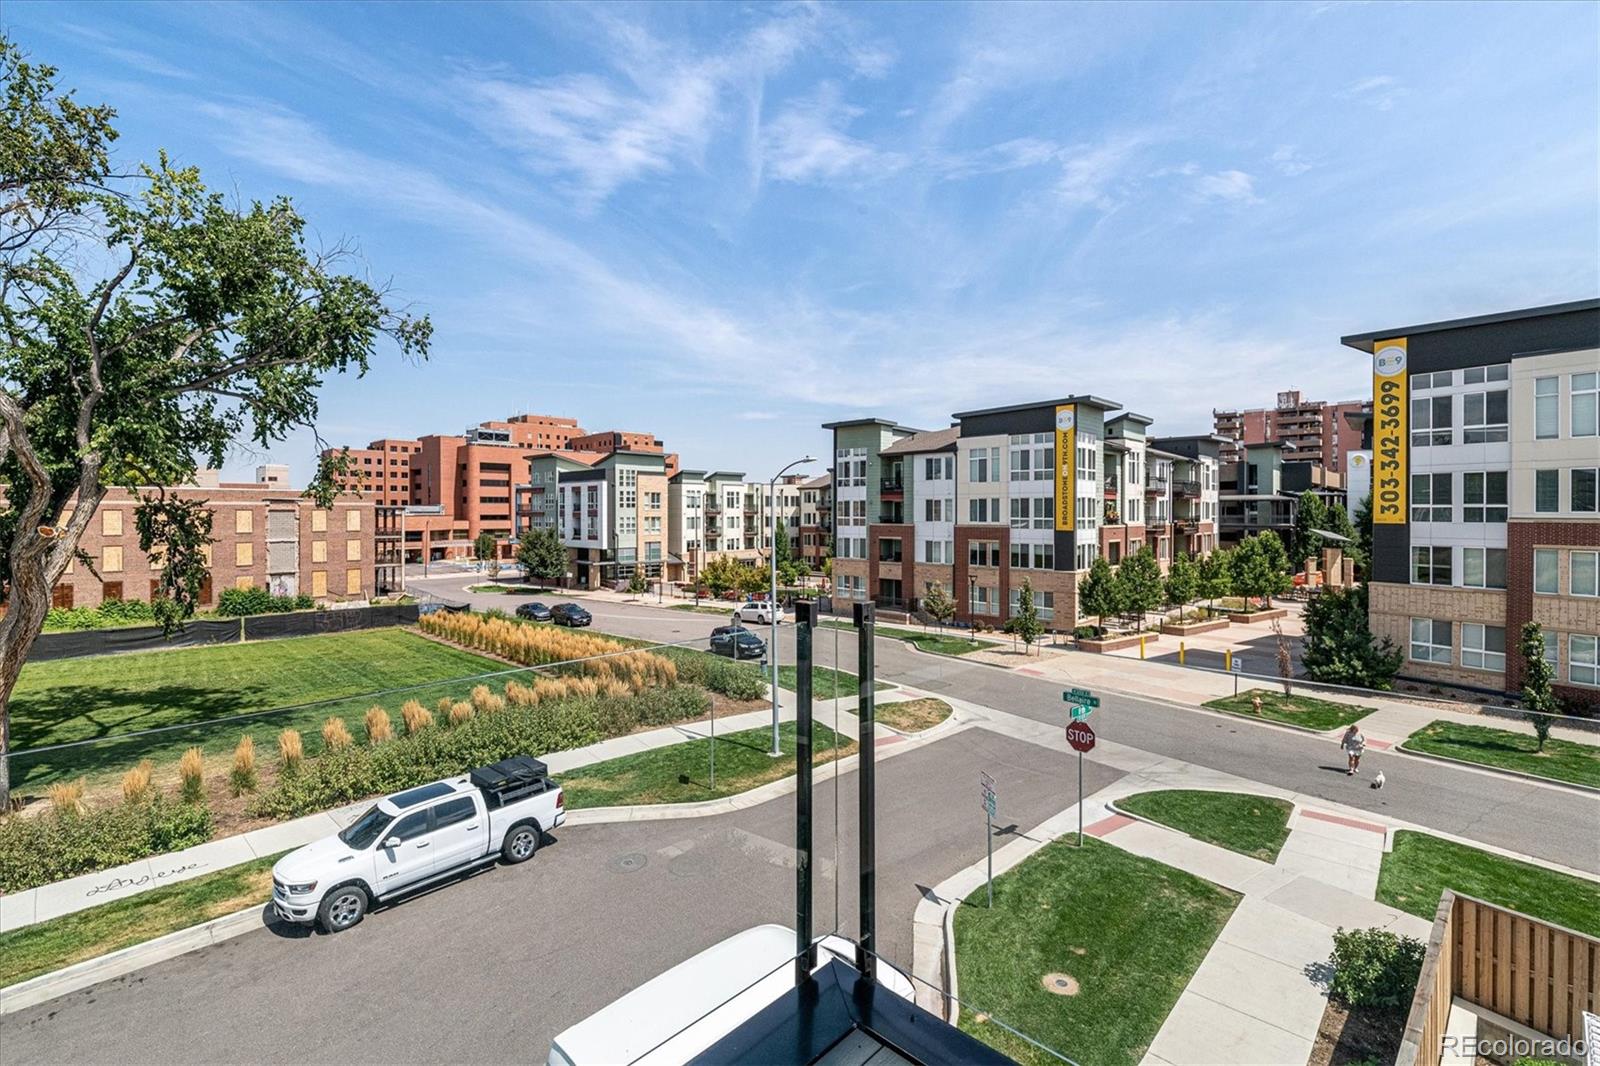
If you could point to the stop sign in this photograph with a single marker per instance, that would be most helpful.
(1080, 736)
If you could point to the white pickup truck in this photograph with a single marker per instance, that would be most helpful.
(416, 837)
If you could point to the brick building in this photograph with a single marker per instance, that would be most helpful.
(1312, 430)
(1486, 495)
(265, 535)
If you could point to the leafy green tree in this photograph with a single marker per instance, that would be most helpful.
(1025, 623)
(1139, 583)
(1311, 514)
(1260, 567)
(541, 554)
(937, 604)
(1363, 523)
(1538, 697)
(485, 547)
(1215, 572)
(637, 583)
(720, 575)
(1339, 648)
(1099, 594)
(1183, 581)
(750, 579)
(146, 325)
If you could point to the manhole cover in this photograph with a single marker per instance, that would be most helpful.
(634, 860)
(1061, 984)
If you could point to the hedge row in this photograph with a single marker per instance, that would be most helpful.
(54, 845)
(735, 680)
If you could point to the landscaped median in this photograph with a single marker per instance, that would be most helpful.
(912, 716)
(1252, 825)
(1561, 760)
(1086, 950)
(1296, 709)
(939, 642)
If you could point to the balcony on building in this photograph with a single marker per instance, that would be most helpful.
(1155, 485)
(1186, 487)
(892, 482)
(889, 550)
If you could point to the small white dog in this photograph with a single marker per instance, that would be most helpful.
(1377, 782)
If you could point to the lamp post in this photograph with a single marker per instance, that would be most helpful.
(772, 606)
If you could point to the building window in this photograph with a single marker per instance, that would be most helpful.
(1552, 651)
(1033, 556)
(1547, 491)
(1043, 602)
(352, 582)
(352, 551)
(1483, 568)
(352, 520)
(1430, 497)
(1430, 421)
(111, 522)
(983, 465)
(983, 510)
(983, 553)
(1483, 647)
(1086, 555)
(319, 520)
(1430, 640)
(1583, 573)
(1584, 490)
(111, 559)
(1483, 496)
(319, 551)
(319, 582)
(1441, 379)
(1020, 511)
(1430, 566)
(244, 553)
(1484, 418)
(1583, 660)
(1044, 511)
(1585, 405)
(984, 600)
(1546, 571)
(1546, 408)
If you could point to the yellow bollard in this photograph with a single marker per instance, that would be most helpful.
(1227, 661)
(1141, 645)
(1180, 653)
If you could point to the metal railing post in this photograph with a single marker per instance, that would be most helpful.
(866, 949)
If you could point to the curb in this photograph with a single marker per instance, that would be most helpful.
(81, 975)
(1266, 721)
(1537, 779)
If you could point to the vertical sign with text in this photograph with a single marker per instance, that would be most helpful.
(1389, 444)
(1066, 467)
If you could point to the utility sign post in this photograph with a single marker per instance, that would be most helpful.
(990, 805)
(1081, 737)
(1236, 666)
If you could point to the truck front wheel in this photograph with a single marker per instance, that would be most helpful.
(342, 908)
(520, 844)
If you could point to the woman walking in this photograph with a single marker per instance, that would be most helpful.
(1353, 744)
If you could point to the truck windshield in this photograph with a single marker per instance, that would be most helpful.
(362, 832)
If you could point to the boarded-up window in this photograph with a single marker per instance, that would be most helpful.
(244, 521)
(61, 596)
(111, 522)
(205, 553)
(319, 551)
(205, 589)
(319, 520)
(244, 554)
(352, 551)
(243, 581)
(110, 590)
(155, 588)
(352, 581)
(111, 559)
(319, 582)
(352, 520)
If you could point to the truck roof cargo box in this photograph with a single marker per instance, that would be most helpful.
(510, 774)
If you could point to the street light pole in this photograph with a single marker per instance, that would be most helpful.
(772, 605)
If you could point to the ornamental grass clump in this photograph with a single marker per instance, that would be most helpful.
(379, 728)
(542, 645)
(291, 750)
(460, 714)
(66, 798)
(242, 775)
(415, 717)
(485, 701)
(192, 774)
(443, 705)
(336, 735)
(136, 782)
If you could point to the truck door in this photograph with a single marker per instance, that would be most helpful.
(410, 859)
(460, 832)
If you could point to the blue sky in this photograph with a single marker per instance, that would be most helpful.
(729, 223)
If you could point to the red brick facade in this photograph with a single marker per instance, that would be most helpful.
(1523, 606)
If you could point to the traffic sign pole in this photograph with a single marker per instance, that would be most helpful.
(1081, 737)
(1080, 799)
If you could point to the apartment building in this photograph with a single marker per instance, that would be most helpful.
(1485, 512)
(611, 512)
(265, 535)
(816, 520)
(1191, 468)
(1262, 491)
(1315, 431)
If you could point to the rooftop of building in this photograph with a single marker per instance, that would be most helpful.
(933, 440)
(1367, 342)
(1093, 401)
(820, 482)
(869, 422)
(1131, 416)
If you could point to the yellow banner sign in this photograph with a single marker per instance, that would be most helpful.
(1066, 467)
(1389, 443)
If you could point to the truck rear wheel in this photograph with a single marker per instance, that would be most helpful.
(342, 908)
(520, 844)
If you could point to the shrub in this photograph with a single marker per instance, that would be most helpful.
(379, 728)
(136, 782)
(236, 603)
(335, 734)
(192, 772)
(66, 798)
(291, 749)
(109, 613)
(242, 777)
(1374, 967)
(460, 714)
(532, 645)
(37, 851)
(444, 705)
(416, 717)
(736, 680)
(484, 700)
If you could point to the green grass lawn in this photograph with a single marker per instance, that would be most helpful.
(680, 773)
(87, 934)
(109, 695)
(1562, 760)
(947, 642)
(1421, 867)
(704, 608)
(1255, 826)
(825, 682)
(913, 716)
(1129, 930)
(1298, 709)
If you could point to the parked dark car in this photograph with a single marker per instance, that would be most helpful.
(737, 642)
(570, 614)
(533, 612)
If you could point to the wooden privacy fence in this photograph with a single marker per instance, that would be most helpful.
(1537, 974)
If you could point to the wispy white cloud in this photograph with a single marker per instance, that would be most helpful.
(1089, 174)
(756, 416)
(1381, 91)
(1289, 162)
(114, 48)
(1226, 186)
(807, 142)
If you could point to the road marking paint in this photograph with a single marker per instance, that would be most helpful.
(1322, 816)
